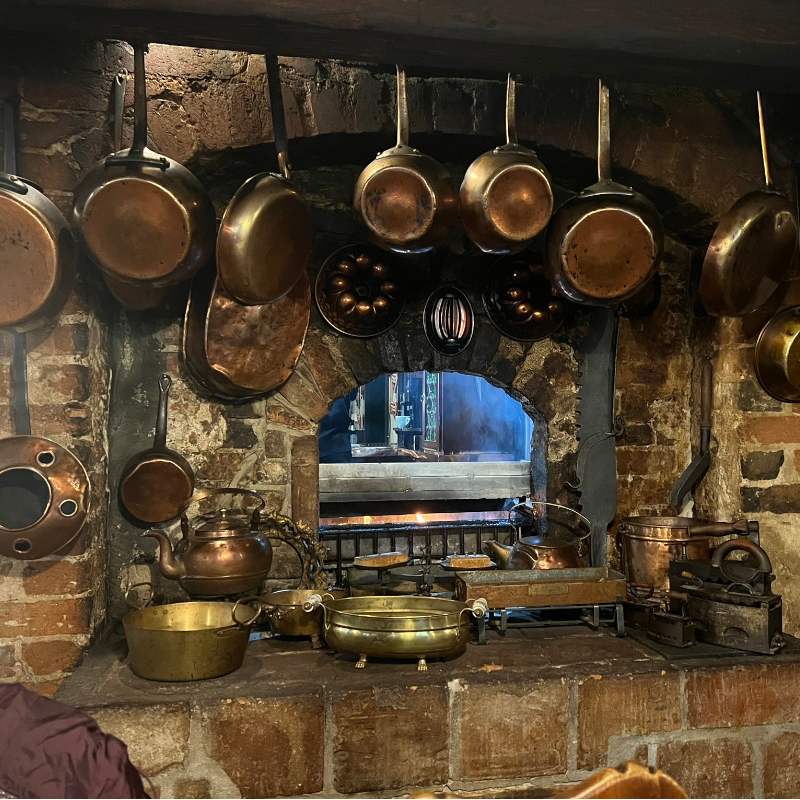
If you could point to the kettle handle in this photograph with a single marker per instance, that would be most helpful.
(200, 496)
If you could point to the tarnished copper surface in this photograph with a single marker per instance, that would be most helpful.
(257, 347)
(506, 198)
(520, 300)
(752, 248)
(264, 240)
(359, 291)
(44, 497)
(136, 298)
(629, 780)
(405, 199)
(604, 244)
(37, 256)
(777, 356)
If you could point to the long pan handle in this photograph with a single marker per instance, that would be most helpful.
(604, 135)
(139, 100)
(164, 385)
(278, 115)
(706, 389)
(118, 92)
(764, 145)
(511, 110)
(403, 126)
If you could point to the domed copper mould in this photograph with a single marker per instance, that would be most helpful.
(449, 320)
(521, 302)
(358, 291)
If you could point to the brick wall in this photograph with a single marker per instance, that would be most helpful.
(686, 149)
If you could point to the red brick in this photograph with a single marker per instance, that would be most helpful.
(57, 126)
(513, 731)
(645, 461)
(388, 738)
(735, 697)
(782, 766)
(64, 339)
(51, 656)
(44, 688)
(290, 729)
(625, 705)
(709, 767)
(51, 171)
(45, 618)
(75, 91)
(56, 577)
(771, 430)
(305, 480)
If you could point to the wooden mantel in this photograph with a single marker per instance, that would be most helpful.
(712, 43)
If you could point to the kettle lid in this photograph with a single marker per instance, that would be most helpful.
(548, 542)
(225, 522)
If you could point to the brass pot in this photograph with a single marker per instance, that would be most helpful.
(187, 641)
(225, 555)
(777, 356)
(286, 615)
(397, 627)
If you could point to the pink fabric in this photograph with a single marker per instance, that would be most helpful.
(48, 749)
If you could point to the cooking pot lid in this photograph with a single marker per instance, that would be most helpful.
(547, 542)
(224, 523)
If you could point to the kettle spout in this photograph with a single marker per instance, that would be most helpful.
(170, 565)
(500, 552)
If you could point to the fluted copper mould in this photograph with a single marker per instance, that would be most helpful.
(604, 244)
(752, 247)
(506, 198)
(225, 554)
(777, 356)
(157, 482)
(359, 291)
(265, 238)
(44, 497)
(521, 302)
(448, 320)
(143, 218)
(406, 200)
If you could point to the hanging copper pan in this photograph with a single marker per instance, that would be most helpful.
(777, 356)
(359, 291)
(604, 244)
(265, 238)
(406, 200)
(752, 247)
(37, 255)
(143, 218)
(520, 300)
(506, 196)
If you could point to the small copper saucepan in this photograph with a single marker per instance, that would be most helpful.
(777, 356)
(604, 244)
(406, 200)
(506, 196)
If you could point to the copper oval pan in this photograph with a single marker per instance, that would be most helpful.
(752, 247)
(264, 242)
(143, 218)
(506, 197)
(37, 251)
(406, 200)
(777, 356)
(604, 244)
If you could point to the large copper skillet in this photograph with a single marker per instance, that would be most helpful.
(604, 244)
(406, 200)
(144, 219)
(752, 247)
(265, 238)
(37, 251)
(506, 196)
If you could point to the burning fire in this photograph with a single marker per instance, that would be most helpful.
(420, 518)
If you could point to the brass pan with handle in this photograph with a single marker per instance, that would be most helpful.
(265, 238)
(406, 200)
(776, 357)
(606, 243)
(144, 219)
(752, 247)
(506, 196)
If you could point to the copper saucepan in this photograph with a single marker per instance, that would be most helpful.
(777, 356)
(37, 257)
(143, 218)
(405, 199)
(265, 238)
(752, 247)
(604, 244)
(506, 196)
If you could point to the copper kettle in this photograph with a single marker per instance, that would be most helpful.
(224, 555)
(542, 551)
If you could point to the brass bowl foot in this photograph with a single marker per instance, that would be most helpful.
(316, 641)
(422, 666)
(362, 662)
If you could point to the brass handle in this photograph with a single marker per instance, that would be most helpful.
(146, 603)
(603, 136)
(714, 529)
(255, 516)
(258, 610)
(402, 108)
(511, 110)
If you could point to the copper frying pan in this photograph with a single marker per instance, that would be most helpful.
(752, 247)
(506, 196)
(265, 238)
(405, 199)
(143, 218)
(604, 244)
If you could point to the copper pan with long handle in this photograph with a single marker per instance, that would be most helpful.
(265, 238)
(143, 218)
(606, 243)
(752, 247)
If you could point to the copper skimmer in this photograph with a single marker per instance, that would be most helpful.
(752, 247)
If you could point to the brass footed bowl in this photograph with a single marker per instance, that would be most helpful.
(397, 627)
